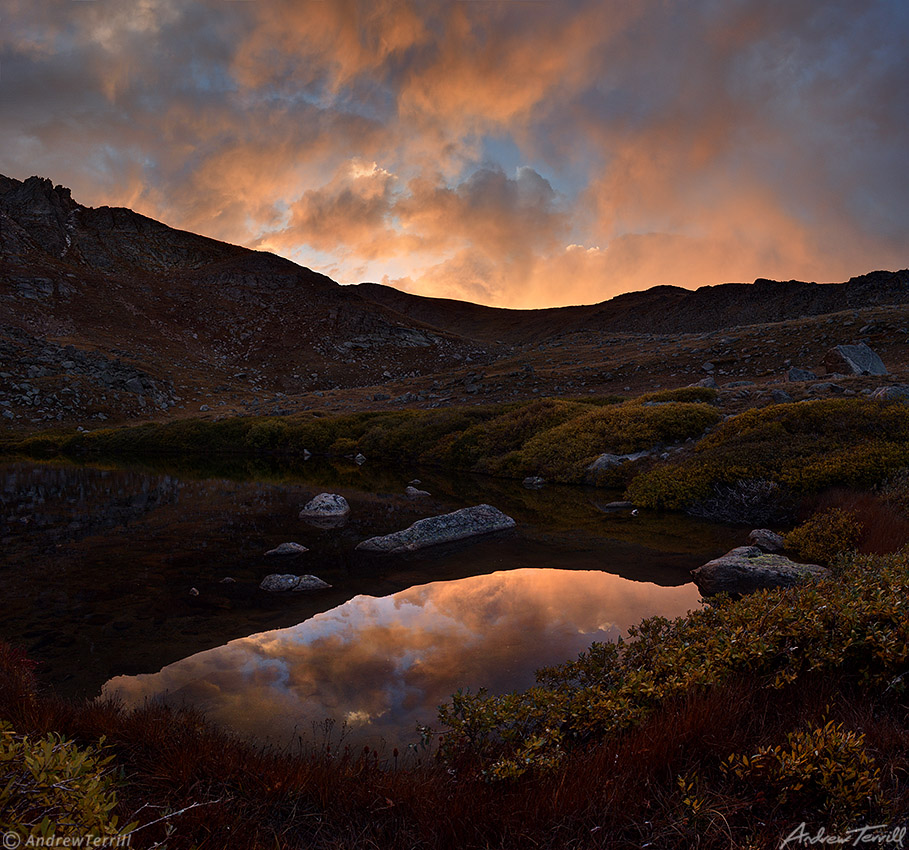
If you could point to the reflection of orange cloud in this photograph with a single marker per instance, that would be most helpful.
(394, 660)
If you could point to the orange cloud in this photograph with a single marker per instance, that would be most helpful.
(388, 663)
(675, 142)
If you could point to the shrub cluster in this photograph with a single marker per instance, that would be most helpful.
(551, 437)
(825, 536)
(52, 787)
(826, 770)
(804, 447)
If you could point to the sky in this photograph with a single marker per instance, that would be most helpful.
(518, 153)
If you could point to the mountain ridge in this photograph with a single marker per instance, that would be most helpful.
(108, 314)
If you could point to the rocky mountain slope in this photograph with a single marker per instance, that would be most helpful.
(144, 304)
(106, 315)
(660, 310)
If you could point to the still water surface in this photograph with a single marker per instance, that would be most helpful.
(99, 560)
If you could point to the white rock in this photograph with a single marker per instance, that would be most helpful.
(328, 505)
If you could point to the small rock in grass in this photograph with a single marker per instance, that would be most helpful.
(794, 375)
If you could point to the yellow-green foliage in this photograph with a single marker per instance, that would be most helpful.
(563, 453)
(805, 446)
(825, 770)
(824, 536)
(855, 624)
(687, 394)
(50, 786)
(485, 446)
(895, 488)
(552, 437)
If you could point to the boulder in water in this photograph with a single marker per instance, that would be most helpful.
(448, 528)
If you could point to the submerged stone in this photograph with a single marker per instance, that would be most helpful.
(287, 550)
(276, 583)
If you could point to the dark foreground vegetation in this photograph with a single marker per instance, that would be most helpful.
(726, 729)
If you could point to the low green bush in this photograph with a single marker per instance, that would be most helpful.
(563, 453)
(805, 447)
(825, 536)
(826, 770)
(52, 787)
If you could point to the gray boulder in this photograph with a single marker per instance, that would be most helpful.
(766, 540)
(854, 360)
(608, 461)
(800, 375)
(780, 396)
(287, 550)
(325, 506)
(826, 387)
(708, 383)
(534, 482)
(276, 583)
(448, 528)
(748, 568)
(897, 392)
(414, 493)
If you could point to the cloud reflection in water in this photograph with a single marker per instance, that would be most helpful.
(385, 664)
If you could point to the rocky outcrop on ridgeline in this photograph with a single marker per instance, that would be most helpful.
(466, 523)
(746, 569)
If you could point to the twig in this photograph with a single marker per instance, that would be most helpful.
(174, 814)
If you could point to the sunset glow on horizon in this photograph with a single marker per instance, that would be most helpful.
(518, 154)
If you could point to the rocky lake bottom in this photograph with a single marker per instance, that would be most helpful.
(142, 582)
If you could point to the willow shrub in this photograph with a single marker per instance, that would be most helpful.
(805, 447)
(855, 625)
(51, 787)
(824, 536)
